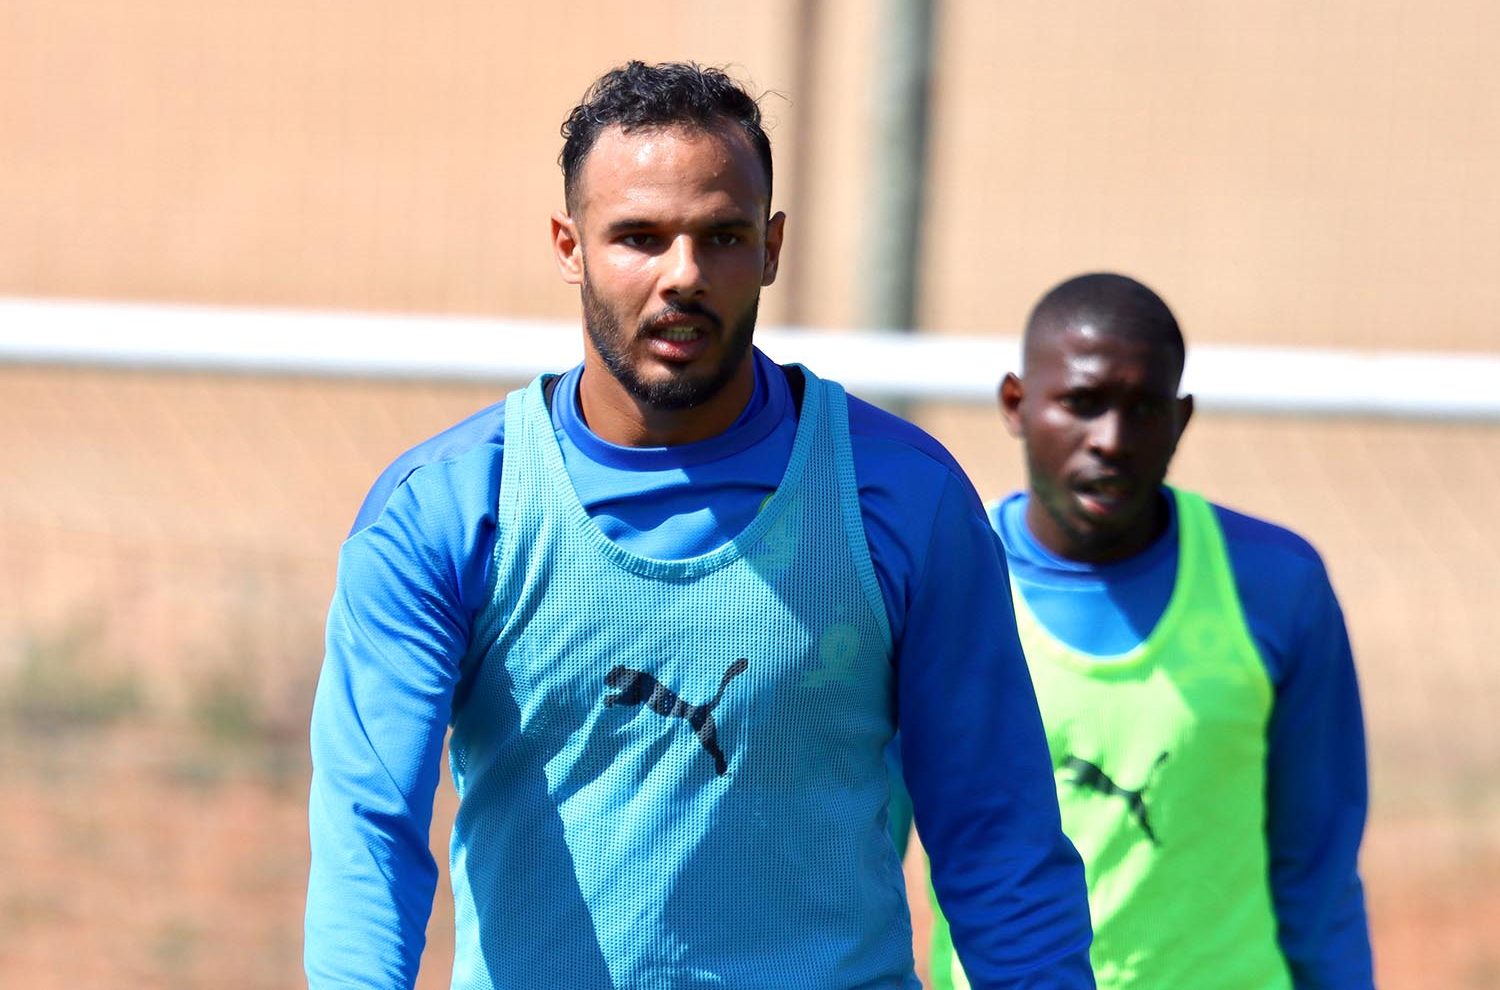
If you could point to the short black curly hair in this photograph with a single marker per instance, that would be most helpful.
(637, 95)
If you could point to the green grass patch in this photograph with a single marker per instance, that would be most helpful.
(62, 682)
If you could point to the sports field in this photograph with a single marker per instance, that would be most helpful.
(167, 547)
(1286, 173)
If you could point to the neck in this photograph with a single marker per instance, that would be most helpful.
(617, 416)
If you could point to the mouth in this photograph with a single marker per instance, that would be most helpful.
(1106, 495)
(678, 338)
(677, 333)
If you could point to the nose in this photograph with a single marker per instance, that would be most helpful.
(1107, 434)
(683, 274)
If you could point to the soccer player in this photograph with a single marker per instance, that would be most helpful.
(1193, 671)
(673, 603)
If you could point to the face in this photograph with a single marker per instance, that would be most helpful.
(1100, 418)
(670, 245)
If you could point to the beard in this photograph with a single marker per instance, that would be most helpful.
(1098, 540)
(680, 389)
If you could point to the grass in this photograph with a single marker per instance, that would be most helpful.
(60, 683)
(66, 685)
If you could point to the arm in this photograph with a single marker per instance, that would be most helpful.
(977, 765)
(1317, 798)
(396, 631)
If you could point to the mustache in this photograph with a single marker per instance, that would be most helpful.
(685, 308)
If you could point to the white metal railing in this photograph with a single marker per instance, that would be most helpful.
(1223, 378)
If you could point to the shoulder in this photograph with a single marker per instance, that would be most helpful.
(916, 504)
(464, 457)
(1285, 592)
(1258, 546)
(887, 446)
(1002, 514)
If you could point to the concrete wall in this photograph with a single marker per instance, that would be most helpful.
(1282, 172)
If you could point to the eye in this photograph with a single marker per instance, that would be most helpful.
(638, 240)
(723, 238)
(1085, 404)
(1148, 408)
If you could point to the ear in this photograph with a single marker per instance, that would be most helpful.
(1012, 391)
(775, 230)
(567, 248)
(1184, 413)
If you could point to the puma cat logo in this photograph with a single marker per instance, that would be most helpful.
(1091, 778)
(635, 687)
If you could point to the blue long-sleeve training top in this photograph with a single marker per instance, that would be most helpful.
(415, 573)
(1317, 795)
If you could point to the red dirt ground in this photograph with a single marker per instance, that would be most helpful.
(137, 859)
(166, 551)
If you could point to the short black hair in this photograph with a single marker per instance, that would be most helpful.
(1110, 300)
(672, 94)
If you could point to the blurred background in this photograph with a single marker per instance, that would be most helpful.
(1314, 176)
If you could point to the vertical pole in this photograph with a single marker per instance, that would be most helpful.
(893, 229)
(806, 47)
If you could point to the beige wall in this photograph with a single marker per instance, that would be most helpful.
(1283, 172)
(373, 155)
(1287, 172)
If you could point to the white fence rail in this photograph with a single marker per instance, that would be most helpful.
(1263, 380)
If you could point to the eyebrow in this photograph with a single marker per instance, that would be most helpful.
(734, 220)
(626, 225)
(1093, 383)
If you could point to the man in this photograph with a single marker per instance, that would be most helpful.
(1193, 671)
(671, 603)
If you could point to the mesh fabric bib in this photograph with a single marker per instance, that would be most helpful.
(1159, 755)
(671, 771)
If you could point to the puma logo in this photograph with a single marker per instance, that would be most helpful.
(636, 687)
(1091, 778)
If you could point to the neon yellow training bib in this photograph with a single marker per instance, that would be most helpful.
(1159, 755)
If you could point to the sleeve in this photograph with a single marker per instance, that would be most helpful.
(397, 630)
(977, 766)
(1317, 798)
